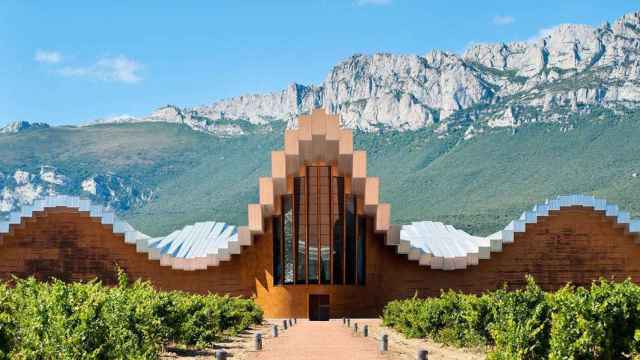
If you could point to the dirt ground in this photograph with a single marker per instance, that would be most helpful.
(241, 347)
(401, 347)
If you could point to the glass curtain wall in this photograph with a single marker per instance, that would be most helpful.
(319, 238)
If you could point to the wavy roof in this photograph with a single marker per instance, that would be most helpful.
(433, 244)
(444, 247)
(194, 247)
(106, 215)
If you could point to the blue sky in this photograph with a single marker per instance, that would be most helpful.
(66, 62)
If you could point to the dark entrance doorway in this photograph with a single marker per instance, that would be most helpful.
(319, 307)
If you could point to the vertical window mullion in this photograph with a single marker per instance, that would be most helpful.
(351, 213)
(344, 239)
(301, 219)
(362, 251)
(306, 204)
(337, 230)
(288, 245)
(282, 250)
(277, 251)
(355, 245)
(294, 222)
(318, 237)
(330, 228)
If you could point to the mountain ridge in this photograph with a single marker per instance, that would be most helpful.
(17, 126)
(571, 68)
(467, 139)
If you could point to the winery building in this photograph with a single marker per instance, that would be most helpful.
(320, 243)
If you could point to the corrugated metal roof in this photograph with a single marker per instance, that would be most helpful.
(194, 247)
(442, 246)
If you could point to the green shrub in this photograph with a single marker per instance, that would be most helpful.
(91, 321)
(453, 318)
(598, 323)
(7, 324)
(199, 320)
(520, 327)
(601, 322)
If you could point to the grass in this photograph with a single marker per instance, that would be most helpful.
(478, 185)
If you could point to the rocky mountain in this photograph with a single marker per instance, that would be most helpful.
(542, 113)
(19, 187)
(572, 68)
(18, 126)
(195, 119)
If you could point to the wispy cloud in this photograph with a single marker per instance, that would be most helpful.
(541, 34)
(372, 2)
(113, 69)
(47, 56)
(503, 20)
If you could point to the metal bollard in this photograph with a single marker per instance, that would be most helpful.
(284, 324)
(423, 354)
(221, 355)
(257, 342)
(365, 330)
(384, 343)
(274, 330)
(355, 328)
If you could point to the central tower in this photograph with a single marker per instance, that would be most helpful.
(318, 210)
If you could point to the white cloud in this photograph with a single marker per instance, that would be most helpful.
(113, 69)
(372, 2)
(49, 57)
(503, 20)
(541, 34)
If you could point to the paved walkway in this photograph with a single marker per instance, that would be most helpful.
(315, 340)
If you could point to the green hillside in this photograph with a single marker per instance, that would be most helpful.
(477, 184)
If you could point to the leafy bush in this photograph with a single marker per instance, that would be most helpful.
(452, 318)
(601, 322)
(520, 327)
(7, 328)
(91, 321)
(199, 320)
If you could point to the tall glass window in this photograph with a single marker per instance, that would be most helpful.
(324, 220)
(319, 238)
(337, 214)
(300, 214)
(361, 249)
(350, 256)
(288, 243)
(277, 252)
(314, 223)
